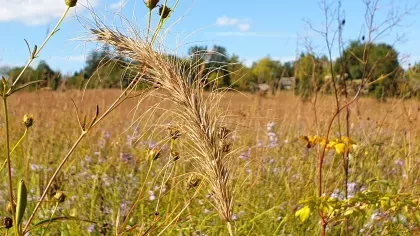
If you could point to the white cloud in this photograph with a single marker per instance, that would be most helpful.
(256, 34)
(118, 5)
(80, 58)
(244, 27)
(226, 21)
(37, 12)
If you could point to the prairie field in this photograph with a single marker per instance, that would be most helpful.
(271, 166)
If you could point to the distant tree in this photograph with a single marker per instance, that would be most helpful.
(382, 60)
(218, 62)
(309, 72)
(241, 77)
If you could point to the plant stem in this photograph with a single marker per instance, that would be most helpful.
(36, 53)
(149, 23)
(16, 145)
(82, 135)
(229, 226)
(9, 166)
(122, 227)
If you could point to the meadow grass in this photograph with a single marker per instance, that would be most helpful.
(272, 170)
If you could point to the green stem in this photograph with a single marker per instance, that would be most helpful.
(49, 222)
(16, 145)
(52, 179)
(36, 53)
(149, 23)
(229, 226)
(122, 227)
(9, 166)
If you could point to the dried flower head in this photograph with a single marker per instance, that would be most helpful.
(174, 132)
(153, 154)
(7, 222)
(174, 155)
(71, 3)
(60, 196)
(28, 120)
(193, 181)
(151, 3)
(164, 11)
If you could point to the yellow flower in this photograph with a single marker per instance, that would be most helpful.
(340, 148)
(346, 140)
(311, 141)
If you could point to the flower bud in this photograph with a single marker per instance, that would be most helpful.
(164, 11)
(151, 3)
(193, 181)
(10, 207)
(60, 196)
(71, 3)
(153, 154)
(28, 120)
(174, 155)
(7, 222)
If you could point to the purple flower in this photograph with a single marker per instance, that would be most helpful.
(91, 228)
(270, 126)
(126, 157)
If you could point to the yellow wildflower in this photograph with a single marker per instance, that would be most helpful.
(340, 148)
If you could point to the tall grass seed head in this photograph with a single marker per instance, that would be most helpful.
(164, 11)
(28, 120)
(151, 4)
(71, 3)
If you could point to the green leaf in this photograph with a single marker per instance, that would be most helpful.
(303, 213)
(22, 200)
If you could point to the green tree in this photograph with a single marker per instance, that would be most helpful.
(241, 77)
(382, 59)
(309, 73)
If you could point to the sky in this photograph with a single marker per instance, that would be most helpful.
(280, 29)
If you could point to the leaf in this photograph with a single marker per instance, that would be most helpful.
(385, 202)
(25, 85)
(22, 200)
(303, 213)
(58, 219)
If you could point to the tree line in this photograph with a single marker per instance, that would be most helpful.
(310, 73)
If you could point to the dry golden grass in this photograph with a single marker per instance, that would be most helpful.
(269, 181)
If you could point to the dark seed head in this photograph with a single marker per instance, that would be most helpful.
(164, 11)
(7, 222)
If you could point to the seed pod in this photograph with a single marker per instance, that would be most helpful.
(151, 3)
(164, 11)
(7, 222)
(60, 196)
(22, 198)
(27, 120)
(71, 3)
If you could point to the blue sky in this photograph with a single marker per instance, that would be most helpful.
(250, 29)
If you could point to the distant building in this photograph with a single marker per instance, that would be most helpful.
(287, 83)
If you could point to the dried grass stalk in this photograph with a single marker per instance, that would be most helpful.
(198, 114)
